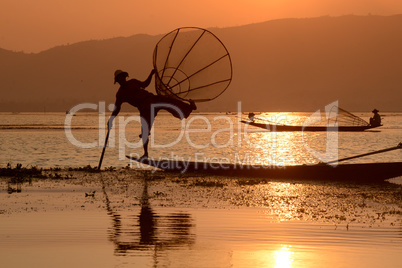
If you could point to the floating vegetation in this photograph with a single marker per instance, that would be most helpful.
(91, 194)
(20, 172)
(159, 194)
(59, 176)
(11, 189)
(251, 182)
(180, 181)
(87, 168)
(111, 168)
(206, 183)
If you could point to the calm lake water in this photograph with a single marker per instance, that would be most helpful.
(141, 219)
(41, 139)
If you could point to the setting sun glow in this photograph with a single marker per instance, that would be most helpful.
(283, 257)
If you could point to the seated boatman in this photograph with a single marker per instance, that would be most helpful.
(375, 121)
(133, 92)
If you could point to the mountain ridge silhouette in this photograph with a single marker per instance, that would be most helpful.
(279, 65)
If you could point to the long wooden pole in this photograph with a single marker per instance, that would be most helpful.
(399, 146)
(104, 148)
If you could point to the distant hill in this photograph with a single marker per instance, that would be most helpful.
(280, 65)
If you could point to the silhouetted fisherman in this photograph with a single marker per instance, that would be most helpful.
(251, 116)
(133, 92)
(376, 119)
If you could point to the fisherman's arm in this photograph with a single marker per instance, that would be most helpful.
(146, 83)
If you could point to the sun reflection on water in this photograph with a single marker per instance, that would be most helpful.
(283, 148)
(283, 257)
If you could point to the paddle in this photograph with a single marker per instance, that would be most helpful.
(399, 146)
(104, 147)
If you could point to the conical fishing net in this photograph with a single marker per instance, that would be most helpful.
(191, 63)
(341, 117)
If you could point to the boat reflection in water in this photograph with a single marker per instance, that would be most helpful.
(149, 231)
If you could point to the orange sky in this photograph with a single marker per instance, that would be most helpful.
(36, 25)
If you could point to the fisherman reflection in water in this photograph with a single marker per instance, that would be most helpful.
(147, 219)
(133, 92)
(164, 231)
(375, 121)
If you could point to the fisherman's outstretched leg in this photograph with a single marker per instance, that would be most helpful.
(177, 108)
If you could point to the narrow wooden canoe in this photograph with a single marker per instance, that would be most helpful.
(272, 127)
(370, 172)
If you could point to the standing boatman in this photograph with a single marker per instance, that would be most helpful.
(133, 92)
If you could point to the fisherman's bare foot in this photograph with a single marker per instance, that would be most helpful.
(144, 157)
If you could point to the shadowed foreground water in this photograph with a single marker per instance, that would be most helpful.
(142, 219)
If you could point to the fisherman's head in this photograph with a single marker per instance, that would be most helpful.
(120, 76)
(375, 111)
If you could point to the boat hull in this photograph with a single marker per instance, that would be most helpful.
(370, 172)
(279, 128)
